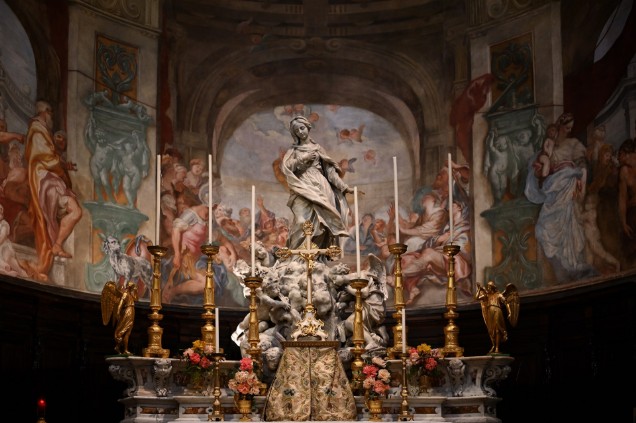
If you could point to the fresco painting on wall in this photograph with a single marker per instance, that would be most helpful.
(18, 86)
(17, 97)
(54, 208)
(118, 153)
(512, 66)
(559, 221)
(546, 228)
(363, 144)
(116, 68)
(116, 138)
(567, 226)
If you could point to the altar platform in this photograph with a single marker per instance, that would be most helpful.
(466, 393)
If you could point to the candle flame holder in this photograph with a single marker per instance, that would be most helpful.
(253, 283)
(358, 336)
(404, 416)
(208, 330)
(397, 250)
(451, 331)
(217, 411)
(155, 332)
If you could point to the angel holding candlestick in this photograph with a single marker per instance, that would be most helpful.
(493, 304)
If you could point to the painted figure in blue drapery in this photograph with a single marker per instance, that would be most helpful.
(558, 229)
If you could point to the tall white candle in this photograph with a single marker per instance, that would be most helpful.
(210, 213)
(357, 223)
(216, 332)
(397, 206)
(403, 330)
(450, 198)
(158, 207)
(253, 230)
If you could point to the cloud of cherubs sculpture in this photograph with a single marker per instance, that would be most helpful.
(282, 300)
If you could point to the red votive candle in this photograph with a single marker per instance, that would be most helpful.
(41, 407)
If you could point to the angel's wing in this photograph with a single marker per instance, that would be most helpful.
(110, 298)
(512, 301)
(378, 269)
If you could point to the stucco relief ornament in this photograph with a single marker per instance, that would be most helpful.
(125, 374)
(162, 369)
(309, 326)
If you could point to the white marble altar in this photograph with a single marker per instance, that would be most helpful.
(465, 395)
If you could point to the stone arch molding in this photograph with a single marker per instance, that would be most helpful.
(363, 76)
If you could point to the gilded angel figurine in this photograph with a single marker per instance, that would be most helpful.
(493, 304)
(118, 307)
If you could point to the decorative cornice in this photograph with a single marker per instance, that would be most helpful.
(481, 12)
(142, 14)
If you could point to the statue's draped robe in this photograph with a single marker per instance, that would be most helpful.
(316, 194)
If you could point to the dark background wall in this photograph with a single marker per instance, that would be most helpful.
(574, 354)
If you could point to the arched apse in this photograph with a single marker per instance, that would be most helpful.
(293, 72)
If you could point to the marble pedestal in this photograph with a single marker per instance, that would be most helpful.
(466, 393)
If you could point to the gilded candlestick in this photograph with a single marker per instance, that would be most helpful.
(358, 336)
(217, 411)
(404, 393)
(155, 332)
(397, 250)
(208, 330)
(253, 283)
(451, 331)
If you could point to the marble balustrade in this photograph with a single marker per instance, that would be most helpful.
(155, 392)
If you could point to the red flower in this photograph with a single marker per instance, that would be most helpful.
(246, 364)
(380, 387)
(194, 358)
(370, 370)
(430, 364)
(205, 363)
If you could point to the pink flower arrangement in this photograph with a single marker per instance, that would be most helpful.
(245, 382)
(377, 377)
(424, 360)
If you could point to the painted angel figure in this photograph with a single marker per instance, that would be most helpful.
(496, 307)
(118, 307)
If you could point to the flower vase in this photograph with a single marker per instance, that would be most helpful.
(375, 409)
(413, 384)
(425, 385)
(200, 385)
(245, 408)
